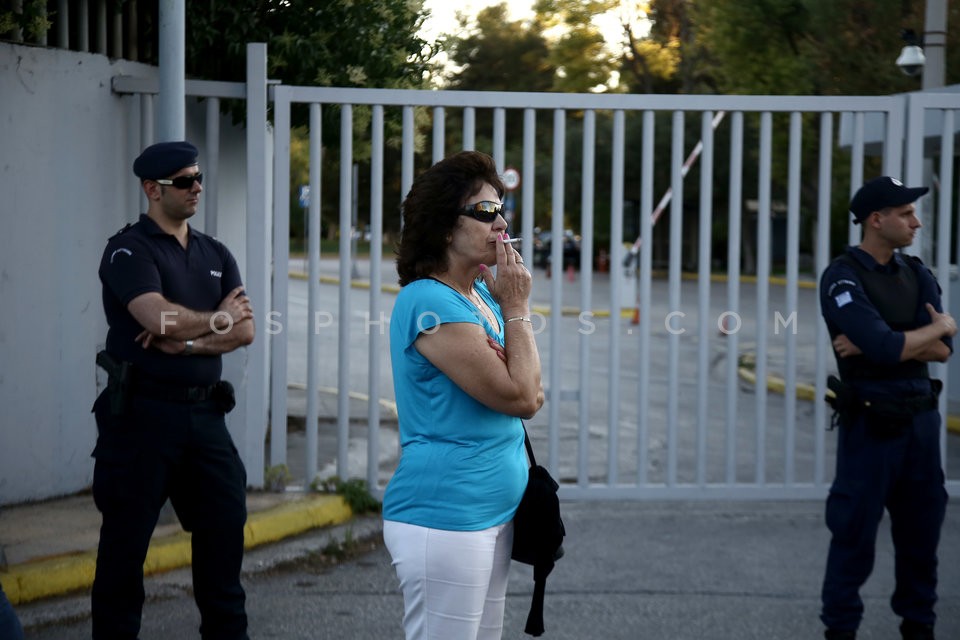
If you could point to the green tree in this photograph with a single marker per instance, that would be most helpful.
(651, 62)
(361, 43)
(498, 54)
(578, 51)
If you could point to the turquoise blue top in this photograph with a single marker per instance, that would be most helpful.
(463, 466)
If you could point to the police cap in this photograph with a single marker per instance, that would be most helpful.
(881, 193)
(164, 159)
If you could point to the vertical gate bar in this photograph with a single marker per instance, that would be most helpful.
(439, 133)
(406, 154)
(913, 172)
(793, 284)
(116, 32)
(616, 251)
(824, 193)
(943, 235)
(281, 278)
(732, 334)
(83, 26)
(343, 354)
(644, 294)
(676, 252)
(499, 138)
(134, 192)
(704, 260)
(528, 171)
(469, 128)
(893, 148)
(763, 290)
(257, 282)
(378, 322)
(856, 172)
(147, 128)
(556, 291)
(314, 231)
(408, 147)
(63, 24)
(586, 230)
(101, 27)
(211, 207)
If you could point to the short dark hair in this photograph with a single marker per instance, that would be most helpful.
(432, 208)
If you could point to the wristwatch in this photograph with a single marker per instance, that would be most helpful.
(188, 347)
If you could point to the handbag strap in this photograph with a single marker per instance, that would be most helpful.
(526, 441)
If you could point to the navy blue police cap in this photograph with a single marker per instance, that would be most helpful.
(881, 193)
(164, 159)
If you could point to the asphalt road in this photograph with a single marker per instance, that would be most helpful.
(633, 570)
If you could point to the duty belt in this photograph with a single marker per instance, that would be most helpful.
(173, 393)
(910, 404)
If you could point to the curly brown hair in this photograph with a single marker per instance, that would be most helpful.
(432, 208)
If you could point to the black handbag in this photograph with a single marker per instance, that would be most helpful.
(538, 534)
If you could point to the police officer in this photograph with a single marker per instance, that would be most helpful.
(174, 302)
(886, 321)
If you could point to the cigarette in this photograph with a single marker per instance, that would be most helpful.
(512, 240)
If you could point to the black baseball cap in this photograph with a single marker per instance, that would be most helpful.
(881, 193)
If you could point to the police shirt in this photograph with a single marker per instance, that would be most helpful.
(142, 258)
(848, 310)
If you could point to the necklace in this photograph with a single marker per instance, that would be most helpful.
(483, 308)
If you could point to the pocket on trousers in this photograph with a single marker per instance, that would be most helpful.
(844, 514)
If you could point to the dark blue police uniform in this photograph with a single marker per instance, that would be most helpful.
(169, 439)
(888, 451)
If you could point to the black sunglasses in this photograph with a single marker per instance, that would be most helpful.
(182, 182)
(485, 211)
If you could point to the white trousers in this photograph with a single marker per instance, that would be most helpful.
(454, 583)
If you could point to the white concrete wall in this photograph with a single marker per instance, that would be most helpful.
(67, 143)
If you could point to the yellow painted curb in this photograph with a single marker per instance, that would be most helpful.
(55, 576)
(294, 517)
(48, 577)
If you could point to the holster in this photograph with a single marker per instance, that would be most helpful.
(224, 396)
(119, 381)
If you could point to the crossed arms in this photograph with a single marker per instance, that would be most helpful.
(167, 325)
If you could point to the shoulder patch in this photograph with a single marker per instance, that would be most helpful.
(843, 298)
(120, 251)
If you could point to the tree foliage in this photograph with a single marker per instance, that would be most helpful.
(578, 51)
(498, 54)
(651, 61)
(354, 43)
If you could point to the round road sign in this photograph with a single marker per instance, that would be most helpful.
(511, 179)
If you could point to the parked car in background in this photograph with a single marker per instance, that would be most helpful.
(542, 247)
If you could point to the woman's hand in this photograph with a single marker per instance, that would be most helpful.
(511, 288)
(501, 353)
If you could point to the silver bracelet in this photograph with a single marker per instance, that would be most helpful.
(520, 318)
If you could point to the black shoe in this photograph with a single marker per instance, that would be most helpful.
(833, 634)
(911, 630)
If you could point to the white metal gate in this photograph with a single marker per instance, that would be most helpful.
(652, 432)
